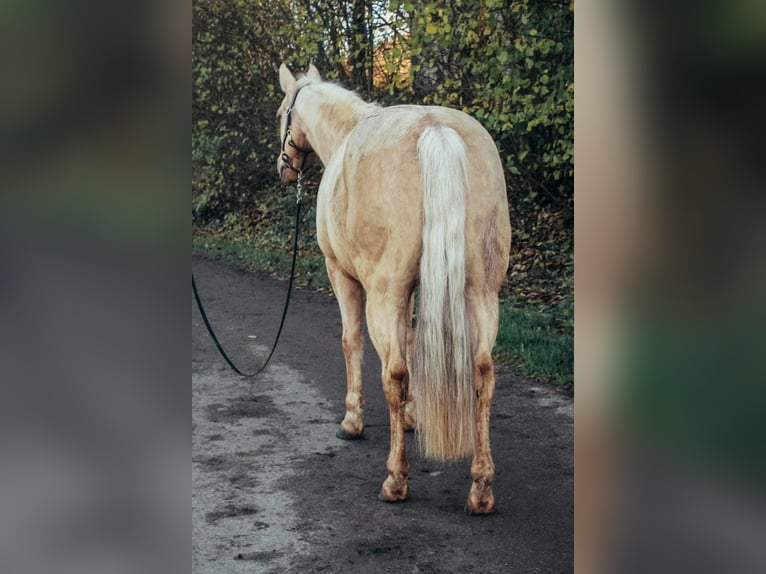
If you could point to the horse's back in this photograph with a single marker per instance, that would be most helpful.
(370, 210)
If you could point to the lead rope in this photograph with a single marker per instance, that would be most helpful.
(211, 332)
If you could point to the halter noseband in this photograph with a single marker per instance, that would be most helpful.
(288, 140)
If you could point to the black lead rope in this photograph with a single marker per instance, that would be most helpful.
(284, 312)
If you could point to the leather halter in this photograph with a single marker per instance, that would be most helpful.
(288, 140)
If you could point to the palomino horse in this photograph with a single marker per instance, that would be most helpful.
(412, 196)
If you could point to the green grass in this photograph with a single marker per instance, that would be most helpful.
(309, 267)
(537, 341)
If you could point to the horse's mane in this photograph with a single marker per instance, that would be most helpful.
(340, 104)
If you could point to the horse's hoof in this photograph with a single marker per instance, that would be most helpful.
(343, 435)
(382, 498)
(394, 490)
(479, 512)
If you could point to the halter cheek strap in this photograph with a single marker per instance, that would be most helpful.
(288, 140)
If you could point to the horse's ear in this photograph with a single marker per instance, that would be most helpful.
(286, 79)
(314, 73)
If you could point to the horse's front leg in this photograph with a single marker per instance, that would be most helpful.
(349, 293)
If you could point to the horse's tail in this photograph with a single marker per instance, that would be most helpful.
(442, 367)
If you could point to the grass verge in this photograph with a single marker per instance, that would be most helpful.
(538, 341)
(309, 266)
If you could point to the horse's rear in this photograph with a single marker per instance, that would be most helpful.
(418, 198)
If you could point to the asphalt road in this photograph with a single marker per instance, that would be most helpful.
(275, 491)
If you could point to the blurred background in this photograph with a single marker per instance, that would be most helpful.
(94, 264)
(670, 274)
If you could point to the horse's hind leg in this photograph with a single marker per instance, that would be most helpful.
(484, 311)
(388, 330)
(348, 291)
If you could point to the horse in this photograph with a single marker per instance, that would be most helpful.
(412, 197)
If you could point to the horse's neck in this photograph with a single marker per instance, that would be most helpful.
(330, 115)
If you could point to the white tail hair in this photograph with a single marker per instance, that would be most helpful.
(442, 367)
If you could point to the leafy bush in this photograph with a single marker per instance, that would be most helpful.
(511, 66)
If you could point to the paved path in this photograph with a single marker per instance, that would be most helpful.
(275, 491)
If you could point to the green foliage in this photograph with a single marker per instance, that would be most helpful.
(511, 66)
(264, 238)
(236, 48)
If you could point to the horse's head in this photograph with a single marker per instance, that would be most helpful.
(296, 153)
